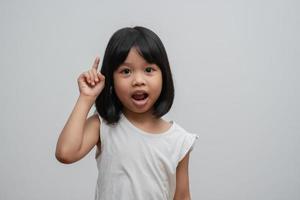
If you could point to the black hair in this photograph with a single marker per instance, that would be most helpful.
(150, 47)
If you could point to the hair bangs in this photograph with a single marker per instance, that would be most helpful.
(144, 50)
(121, 51)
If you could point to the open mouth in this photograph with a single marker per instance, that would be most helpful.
(140, 96)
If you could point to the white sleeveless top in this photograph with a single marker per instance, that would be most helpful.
(137, 165)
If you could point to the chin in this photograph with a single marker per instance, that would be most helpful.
(136, 110)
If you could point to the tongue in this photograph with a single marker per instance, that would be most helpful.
(139, 96)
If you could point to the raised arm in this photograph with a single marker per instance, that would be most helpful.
(80, 134)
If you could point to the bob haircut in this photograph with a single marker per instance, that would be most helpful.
(152, 50)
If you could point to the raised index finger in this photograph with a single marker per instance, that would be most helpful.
(96, 63)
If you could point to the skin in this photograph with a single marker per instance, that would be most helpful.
(80, 135)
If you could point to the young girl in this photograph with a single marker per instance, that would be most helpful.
(140, 156)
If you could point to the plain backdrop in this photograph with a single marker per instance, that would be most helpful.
(236, 70)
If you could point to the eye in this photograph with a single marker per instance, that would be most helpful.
(149, 69)
(125, 71)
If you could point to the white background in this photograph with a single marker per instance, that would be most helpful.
(236, 70)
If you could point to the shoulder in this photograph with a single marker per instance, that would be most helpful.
(182, 132)
(185, 141)
(96, 117)
(93, 123)
(94, 120)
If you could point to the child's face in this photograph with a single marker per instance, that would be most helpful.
(137, 83)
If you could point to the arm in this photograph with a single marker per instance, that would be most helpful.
(79, 134)
(182, 180)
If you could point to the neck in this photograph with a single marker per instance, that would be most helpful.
(140, 117)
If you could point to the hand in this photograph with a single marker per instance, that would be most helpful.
(91, 82)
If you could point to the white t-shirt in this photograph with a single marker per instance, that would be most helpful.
(136, 165)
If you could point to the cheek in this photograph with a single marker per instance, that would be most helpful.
(157, 83)
(120, 87)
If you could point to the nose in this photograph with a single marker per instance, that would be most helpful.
(138, 80)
